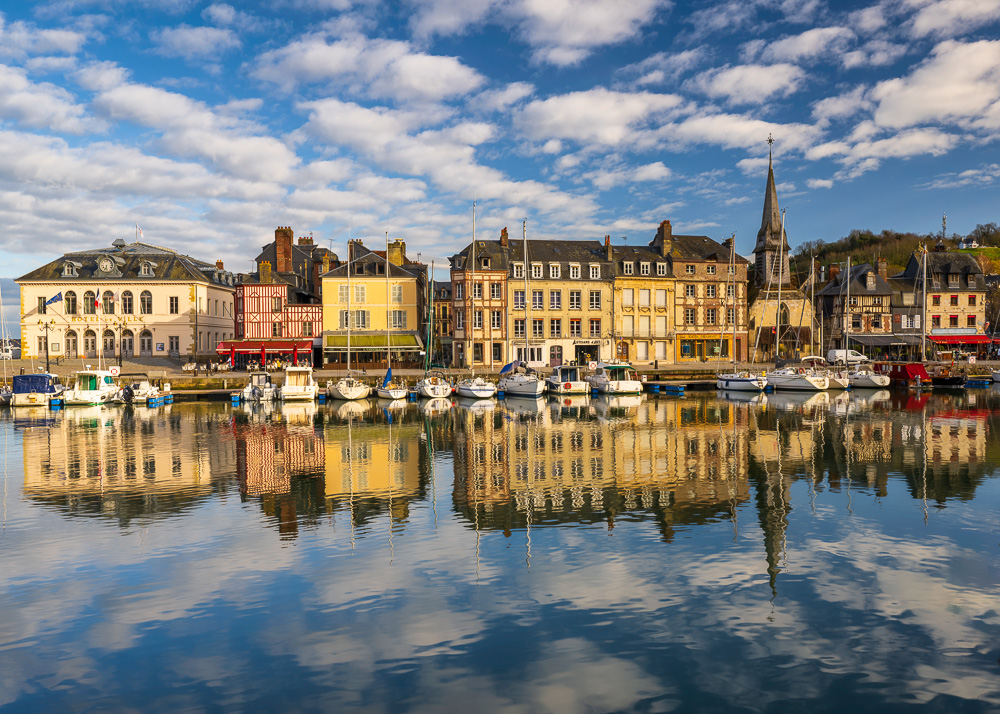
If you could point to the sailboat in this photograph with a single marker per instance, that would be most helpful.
(348, 387)
(517, 378)
(472, 386)
(433, 385)
(388, 388)
(735, 380)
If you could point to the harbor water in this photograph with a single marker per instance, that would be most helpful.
(710, 553)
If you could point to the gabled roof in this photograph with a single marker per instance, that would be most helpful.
(371, 261)
(859, 282)
(945, 262)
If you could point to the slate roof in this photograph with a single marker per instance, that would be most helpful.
(859, 283)
(367, 264)
(944, 263)
(166, 264)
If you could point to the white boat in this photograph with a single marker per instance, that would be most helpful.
(566, 379)
(437, 405)
(91, 386)
(391, 390)
(259, 388)
(348, 388)
(353, 409)
(615, 378)
(741, 382)
(838, 378)
(136, 389)
(995, 373)
(433, 385)
(299, 385)
(35, 390)
(517, 379)
(862, 377)
(476, 388)
(801, 378)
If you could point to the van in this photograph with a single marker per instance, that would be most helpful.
(845, 357)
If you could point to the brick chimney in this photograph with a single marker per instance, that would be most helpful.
(305, 240)
(265, 272)
(504, 238)
(881, 268)
(834, 271)
(326, 263)
(664, 238)
(283, 249)
(218, 265)
(397, 252)
(607, 248)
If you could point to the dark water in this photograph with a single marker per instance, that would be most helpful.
(671, 554)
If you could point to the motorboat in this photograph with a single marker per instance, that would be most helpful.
(517, 379)
(348, 388)
(391, 390)
(838, 378)
(476, 388)
(139, 389)
(35, 390)
(90, 387)
(259, 388)
(299, 385)
(741, 382)
(615, 378)
(800, 378)
(566, 379)
(944, 378)
(863, 377)
(433, 385)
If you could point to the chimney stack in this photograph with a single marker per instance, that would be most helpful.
(326, 263)
(218, 265)
(607, 248)
(283, 249)
(504, 238)
(664, 237)
(305, 240)
(881, 267)
(265, 272)
(834, 271)
(397, 252)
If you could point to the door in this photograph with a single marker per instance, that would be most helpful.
(90, 343)
(128, 344)
(145, 343)
(555, 356)
(109, 343)
(70, 344)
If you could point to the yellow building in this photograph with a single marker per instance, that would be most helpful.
(380, 307)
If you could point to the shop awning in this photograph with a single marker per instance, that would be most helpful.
(874, 340)
(404, 342)
(960, 339)
(254, 347)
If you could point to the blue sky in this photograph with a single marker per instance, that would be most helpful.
(209, 124)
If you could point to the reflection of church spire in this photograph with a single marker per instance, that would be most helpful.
(773, 508)
(772, 243)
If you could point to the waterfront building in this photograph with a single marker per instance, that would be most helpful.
(862, 321)
(126, 300)
(644, 300)
(478, 309)
(278, 310)
(442, 353)
(379, 309)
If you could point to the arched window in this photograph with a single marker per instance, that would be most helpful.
(90, 343)
(70, 304)
(783, 315)
(108, 302)
(145, 303)
(127, 302)
(88, 303)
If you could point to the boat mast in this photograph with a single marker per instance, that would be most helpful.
(781, 265)
(388, 301)
(430, 319)
(847, 309)
(527, 304)
(470, 286)
(349, 316)
(732, 275)
(923, 319)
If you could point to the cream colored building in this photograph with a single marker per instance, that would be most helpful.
(131, 300)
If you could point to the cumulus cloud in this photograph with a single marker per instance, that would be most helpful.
(819, 183)
(849, 104)
(750, 84)
(20, 40)
(40, 105)
(447, 17)
(947, 18)
(818, 42)
(663, 67)
(608, 178)
(194, 42)
(503, 99)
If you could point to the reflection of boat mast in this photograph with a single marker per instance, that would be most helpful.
(392, 476)
(923, 442)
(350, 458)
(530, 479)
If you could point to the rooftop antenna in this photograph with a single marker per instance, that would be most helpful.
(624, 240)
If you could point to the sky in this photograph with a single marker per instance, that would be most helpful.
(210, 124)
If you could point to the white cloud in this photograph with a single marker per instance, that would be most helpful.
(752, 167)
(818, 42)
(750, 84)
(952, 17)
(735, 131)
(502, 100)
(983, 176)
(373, 67)
(662, 67)
(194, 42)
(876, 53)
(608, 178)
(722, 18)
(19, 40)
(819, 183)
(447, 17)
(849, 104)
(40, 105)
(868, 20)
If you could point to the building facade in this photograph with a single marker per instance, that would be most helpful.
(126, 300)
(856, 309)
(478, 308)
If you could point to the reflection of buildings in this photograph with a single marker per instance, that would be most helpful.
(269, 454)
(680, 459)
(124, 463)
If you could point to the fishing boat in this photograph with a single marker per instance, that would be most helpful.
(615, 378)
(90, 387)
(259, 388)
(566, 379)
(863, 377)
(35, 390)
(434, 385)
(348, 387)
(476, 388)
(299, 385)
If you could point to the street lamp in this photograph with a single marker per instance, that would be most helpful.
(48, 327)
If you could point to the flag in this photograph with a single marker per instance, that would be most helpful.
(388, 378)
(97, 301)
(138, 230)
(508, 368)
(55, 298)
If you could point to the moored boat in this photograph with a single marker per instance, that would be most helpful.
(90, 387)
(259, 388)
(517, 379)
(35, 390)
(476, 388)
(299, 385)
(741, 382)
(615, 378)
(433, 385)
(566, 379)
(348, 388)
(863, 377)
(799, 378)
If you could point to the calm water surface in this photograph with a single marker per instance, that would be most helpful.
(832, 553)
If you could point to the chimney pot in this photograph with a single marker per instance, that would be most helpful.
(504, 238)
(218, 265)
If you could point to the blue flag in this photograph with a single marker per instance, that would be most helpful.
(388, 378)
(56, 298)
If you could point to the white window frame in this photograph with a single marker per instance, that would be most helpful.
(574, 272)
(595, 272)
(555, 270)
(518, 269)
(555, 299)
(628, 268)
(661, 269)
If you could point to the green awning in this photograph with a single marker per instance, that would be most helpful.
(337, 342)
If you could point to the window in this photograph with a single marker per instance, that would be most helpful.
(643, 268)
(359, 294)
(555, 328)
(537, 299)
(459, 319)
(954, 300)
(627, 267)
(628, 297)
(644, 297)
(575, 300)
(496, 319)
(477, 291)
(173, 306)
(536, 270)
(145, 303)
(952, 280)
(146, 270)
(88, 303)
(175, 343)
(276, 304)
(870, 281)
(730, 291)
(69, 269)
(935, 300)
(710, 291)
(477, 320)
(595, 299)
(935, 321)
(397, 319)
(495, 291)
(710, 316)
(916, 322)
(574, 272)
(661, 298)
(538, 328)
(628, 325)
(643, 325)
(307, 329)
(126, 302)
(972, 301)
(396, 294)
(70, 302)
(275, 329)
(710, 269)
(518, 299)
(689, 291)
(518, 270)
(953, 321)
(661, 269)
(43, 345)
(689, 269)
(108, 302)
(853, 301)
(342, 293)
(595, 272)
(689, 315)
(519, 327)
(595, 327)
(554, 270)
(731, 316)
(41, 306)
(460, 291)
(575, 329)
(855, 322)
(970, 321)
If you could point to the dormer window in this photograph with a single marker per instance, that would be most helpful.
(146, 269)
(952, 280)
(554, 270)
(643, 268)
(70, 269)
(595, 272)
(536, 270)
(871, 281)
(661, 269)
(628, 267)
(518, 270)
(485, 263)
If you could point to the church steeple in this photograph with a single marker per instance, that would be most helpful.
(772, 242)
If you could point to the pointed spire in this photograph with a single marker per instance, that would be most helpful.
(770, 222)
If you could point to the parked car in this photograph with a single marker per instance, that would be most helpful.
(845, 357)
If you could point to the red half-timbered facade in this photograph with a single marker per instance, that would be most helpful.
(264, 313)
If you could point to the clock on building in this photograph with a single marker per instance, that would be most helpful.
(106, 265)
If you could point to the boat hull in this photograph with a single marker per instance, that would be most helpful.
(617, 387)
(554, 387)
(800, 382)
(349, 392)
(738, 383)
(870, 381)
(477, 391)
(393, 393)
(522, 387)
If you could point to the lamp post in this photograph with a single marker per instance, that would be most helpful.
(48, 327)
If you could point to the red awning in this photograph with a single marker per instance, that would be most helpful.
(961, 339)
(268, 346)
